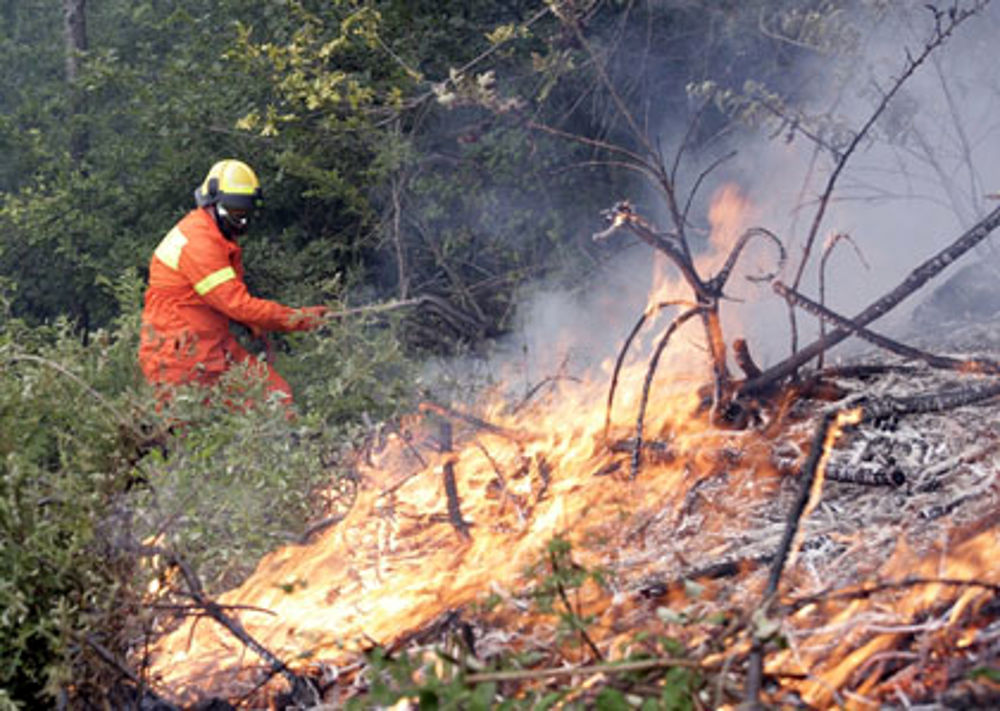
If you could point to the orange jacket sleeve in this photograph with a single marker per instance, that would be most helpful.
(212, 267)
(233, 299)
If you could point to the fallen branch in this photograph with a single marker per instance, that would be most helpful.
(867, 590)
(662, 452)
(321, 525)
(933, 402)
(610, 668)
(449, 412)
(864, 370)
(451, 487)
(501, 480)
(916, 279)
(712, 571)
(300, 685)
(145, 694)
(794, 298)
(820, 443)
(894, 478)
(535, 389)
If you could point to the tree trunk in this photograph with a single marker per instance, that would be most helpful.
(75, 37)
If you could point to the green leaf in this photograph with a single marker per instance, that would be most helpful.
(988, 673)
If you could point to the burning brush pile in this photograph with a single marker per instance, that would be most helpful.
(828, 539)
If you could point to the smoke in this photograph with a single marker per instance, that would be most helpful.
(912, 188)
(916, 183)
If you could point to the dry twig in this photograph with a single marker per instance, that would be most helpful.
(302, 688)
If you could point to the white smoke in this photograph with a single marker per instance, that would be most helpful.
(911, 188)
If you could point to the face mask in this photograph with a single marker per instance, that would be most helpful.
(237, 221)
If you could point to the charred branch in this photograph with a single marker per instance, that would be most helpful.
(916, 279)
(480, 424)
(650, 372)
(755, 671)
(501, 481)
(718, 282)
(545, 477)
(611, 668)
(901, 349)
(714, 571)
(622, 215)
(144, 697)
(450, 486)
(865, 371)
(933, 402)
(624, 350)
(893, 478)
(537, 388)
(937, 511)
(741, 351)
(868, 590)
(706, 293)
(301, 686)
(657, 450)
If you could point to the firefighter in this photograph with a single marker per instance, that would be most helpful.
(196, 289)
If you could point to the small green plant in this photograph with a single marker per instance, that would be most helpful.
(558, 577)
(93, 468)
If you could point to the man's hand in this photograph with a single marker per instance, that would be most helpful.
(308, 318)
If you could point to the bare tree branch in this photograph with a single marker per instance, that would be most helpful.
(624, 350)
(935, 361)
(650, 372)
(916, 279)
(942, 31)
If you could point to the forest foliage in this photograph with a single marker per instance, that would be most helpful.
(451, 150)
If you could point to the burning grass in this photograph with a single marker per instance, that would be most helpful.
(890, 594)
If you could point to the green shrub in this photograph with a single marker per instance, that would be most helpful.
(92, 466)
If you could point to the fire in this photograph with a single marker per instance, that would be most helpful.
(729, 214)
(446, 515)
(852, 645)
(397, 562)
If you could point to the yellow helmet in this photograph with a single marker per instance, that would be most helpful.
(232, 184)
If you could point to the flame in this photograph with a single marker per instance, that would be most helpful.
(853, 638)
(397, 562)
(412, 549)
(728, 215)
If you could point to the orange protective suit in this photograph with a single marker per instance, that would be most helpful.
(195, 288)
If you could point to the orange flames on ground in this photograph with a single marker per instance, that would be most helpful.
(849, 642)
(397, 562)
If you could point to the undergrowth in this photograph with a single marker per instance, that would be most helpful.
(94, 471)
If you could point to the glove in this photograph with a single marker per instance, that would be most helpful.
(308, 318)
